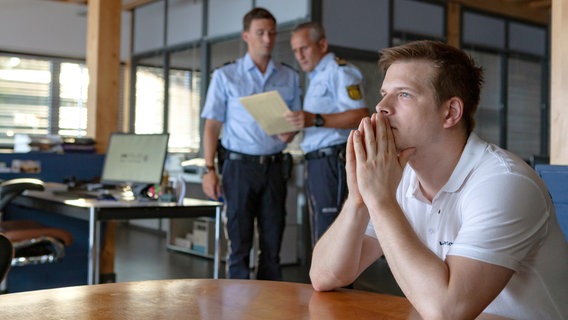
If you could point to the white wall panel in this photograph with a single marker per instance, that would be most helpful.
(286, 11)
(226, 16)
(149, 27)
(49, 28)
(419, 18)
(184, 21)
(363, 24)
(483, 30)
(528, 39)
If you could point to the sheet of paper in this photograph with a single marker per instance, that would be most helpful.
(268, 110)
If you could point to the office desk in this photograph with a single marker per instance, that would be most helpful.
(96, 211)
(204, 299)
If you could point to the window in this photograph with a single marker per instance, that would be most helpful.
(149, 110)
(176, 111)
(184, 100)
(489, 112)
(74, 81)
(524, 111)
(41, 96)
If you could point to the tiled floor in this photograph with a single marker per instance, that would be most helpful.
(142, 255)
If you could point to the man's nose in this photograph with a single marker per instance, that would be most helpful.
(382, 105)
(267, 37)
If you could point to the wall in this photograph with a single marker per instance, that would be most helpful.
(50, 28)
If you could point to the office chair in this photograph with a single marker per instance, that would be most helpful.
(6, 255)
(33, 242)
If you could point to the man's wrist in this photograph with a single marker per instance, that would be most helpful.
(209, 169)
(318, 120)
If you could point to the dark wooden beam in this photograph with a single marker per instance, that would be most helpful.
(514, 9)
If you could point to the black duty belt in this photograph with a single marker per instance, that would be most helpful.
(265, 159)
(325, 152)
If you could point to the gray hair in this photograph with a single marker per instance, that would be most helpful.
(315, 28)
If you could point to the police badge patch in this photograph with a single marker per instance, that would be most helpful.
(354, 92)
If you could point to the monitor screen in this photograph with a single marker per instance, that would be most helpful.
(135, 158)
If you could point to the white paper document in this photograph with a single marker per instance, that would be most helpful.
(268, 109)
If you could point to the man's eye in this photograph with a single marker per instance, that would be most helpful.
(404, 94)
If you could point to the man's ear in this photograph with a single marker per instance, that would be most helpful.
(323, 44)
(454, 112)
(244, 36)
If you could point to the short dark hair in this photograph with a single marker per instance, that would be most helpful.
(317, 31)
(256, 13)
(456, 72)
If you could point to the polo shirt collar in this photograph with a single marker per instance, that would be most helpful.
(324, 62)
(249, 65)
(470, 157)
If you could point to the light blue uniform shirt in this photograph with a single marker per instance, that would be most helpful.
(241, 133)
(328, 93)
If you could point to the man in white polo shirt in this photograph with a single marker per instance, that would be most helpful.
(465, 226)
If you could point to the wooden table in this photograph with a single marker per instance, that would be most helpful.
(203, 299)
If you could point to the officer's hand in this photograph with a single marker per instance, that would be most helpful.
(287, 136)
(211, 185)
(297, 118)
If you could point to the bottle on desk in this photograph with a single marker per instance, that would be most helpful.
(167, 192)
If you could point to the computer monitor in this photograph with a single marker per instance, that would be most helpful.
(135, 159)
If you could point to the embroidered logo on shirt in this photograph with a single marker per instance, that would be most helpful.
(446, 243)
(354, 92)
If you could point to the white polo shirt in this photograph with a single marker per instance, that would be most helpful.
(496, 209)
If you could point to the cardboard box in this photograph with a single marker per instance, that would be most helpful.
(204, 237)
(182, 242)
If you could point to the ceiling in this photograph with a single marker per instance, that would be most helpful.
(530, 4)
(533, 4)
(533, 10)
(127, 4)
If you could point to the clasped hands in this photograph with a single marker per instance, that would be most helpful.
(374, 164)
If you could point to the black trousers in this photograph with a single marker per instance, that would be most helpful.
(327, 189)
(254, 192)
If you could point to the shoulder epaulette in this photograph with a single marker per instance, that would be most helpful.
(224, 64)
(289, 66)
(340, 62)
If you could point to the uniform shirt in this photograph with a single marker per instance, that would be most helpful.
(496, 209)
(241, 133)
(335, 86)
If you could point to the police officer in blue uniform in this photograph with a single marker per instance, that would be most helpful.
(254, 175)
(333, 105)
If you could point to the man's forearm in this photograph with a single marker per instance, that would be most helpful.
(421, 275)
(345, 120)
(210, 140)
(337, 255)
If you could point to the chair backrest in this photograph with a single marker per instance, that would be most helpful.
(556, 179)
(6, 256)
(10, 189)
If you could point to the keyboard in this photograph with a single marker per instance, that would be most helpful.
(76, 194)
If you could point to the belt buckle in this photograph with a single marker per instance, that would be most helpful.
(327, 152)
(263, 160)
